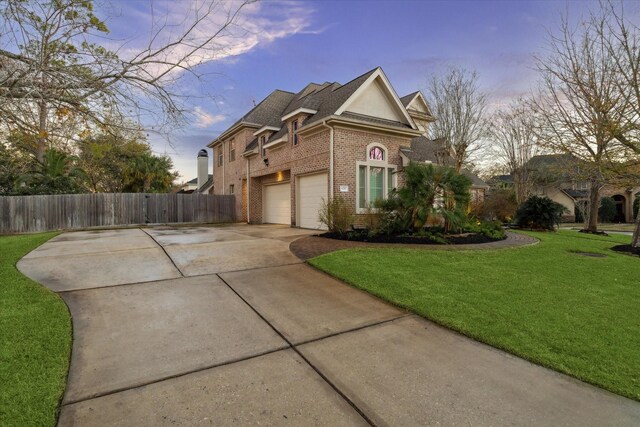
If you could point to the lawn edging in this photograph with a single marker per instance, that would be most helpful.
(36, 334)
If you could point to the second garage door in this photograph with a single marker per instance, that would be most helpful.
(276, 204)
(311, 190)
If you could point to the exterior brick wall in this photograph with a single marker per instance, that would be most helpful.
(234, 171)
(287, 161)
(350, 146)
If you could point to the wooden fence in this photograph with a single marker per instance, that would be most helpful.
(26, 214)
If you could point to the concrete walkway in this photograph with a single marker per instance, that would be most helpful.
(224, 326)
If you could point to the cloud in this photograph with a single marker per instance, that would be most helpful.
(205, 119)
(236, 28)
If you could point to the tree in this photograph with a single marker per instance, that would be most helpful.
(621, 38)
(579, 99)
(106, 159)
(148, 173)
(53, 75)
(56, 174)
(459, 106)
(512, 130)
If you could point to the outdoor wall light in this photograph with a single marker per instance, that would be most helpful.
(266, 162)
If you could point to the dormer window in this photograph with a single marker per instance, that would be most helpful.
(263, 150)
(376, 153)
(294, 126)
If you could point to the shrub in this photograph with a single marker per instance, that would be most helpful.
(607, 210)
(490, 229)
(336, 215)
(636, 206)
(499, 204)
(539, 213)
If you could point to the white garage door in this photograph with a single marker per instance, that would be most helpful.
(311, 190)
(276, 204)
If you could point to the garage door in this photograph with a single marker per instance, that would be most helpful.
(311, 190)
(276, 204)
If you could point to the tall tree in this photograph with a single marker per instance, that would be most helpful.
(459, 106)
(579, 98)
(512, 131)
(106, 159)
(621, 38)
(52, 70)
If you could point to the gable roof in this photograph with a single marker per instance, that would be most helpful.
(406, 100)
(326, 99)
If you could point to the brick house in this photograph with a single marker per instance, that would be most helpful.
(293, 150)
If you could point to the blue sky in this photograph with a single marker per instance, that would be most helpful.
(293, 43)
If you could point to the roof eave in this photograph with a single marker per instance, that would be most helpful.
(231, 131)
(360, 124)
(298, 111)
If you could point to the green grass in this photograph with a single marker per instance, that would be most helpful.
(578, 315)
(35, 340)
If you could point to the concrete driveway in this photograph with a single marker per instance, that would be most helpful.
(223, 325)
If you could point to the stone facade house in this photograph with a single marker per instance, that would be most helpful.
(293, 150)
(556, 176)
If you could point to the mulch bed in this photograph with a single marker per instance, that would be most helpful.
(312, 246)
(458, 239)
(626, 249)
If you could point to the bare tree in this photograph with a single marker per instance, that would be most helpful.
(54, 74)
(579, 99)
(459, 106)
(621, 38)
(515, 142)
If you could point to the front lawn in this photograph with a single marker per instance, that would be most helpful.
(546, 303)
(35, 340)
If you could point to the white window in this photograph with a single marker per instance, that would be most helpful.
(375, 177)
(294, 125)
(220, 155)
(232, 150)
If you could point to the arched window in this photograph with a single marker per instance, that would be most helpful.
(375, 177)
(376, 153)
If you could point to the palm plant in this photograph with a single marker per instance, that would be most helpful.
(430, 193)
(57, 173)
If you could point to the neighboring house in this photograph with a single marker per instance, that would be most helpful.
(293, 150)
(191, 186)
(553, 178)
(203, 183)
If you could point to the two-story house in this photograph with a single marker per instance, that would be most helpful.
(293, 150)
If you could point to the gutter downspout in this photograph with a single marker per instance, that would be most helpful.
(224, 164)
(324, 123)
(248, 193)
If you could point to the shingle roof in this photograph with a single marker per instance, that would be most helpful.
(476, 181)
(195, 180)
(408, 98)
(577, 194)
(424, 149)
(324, 98)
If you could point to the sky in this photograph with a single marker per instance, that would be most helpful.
(287, 44)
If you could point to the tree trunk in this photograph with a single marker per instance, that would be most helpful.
(42, 131)
(594, 204)
(635, 240)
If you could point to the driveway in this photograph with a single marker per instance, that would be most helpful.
(224, 325)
